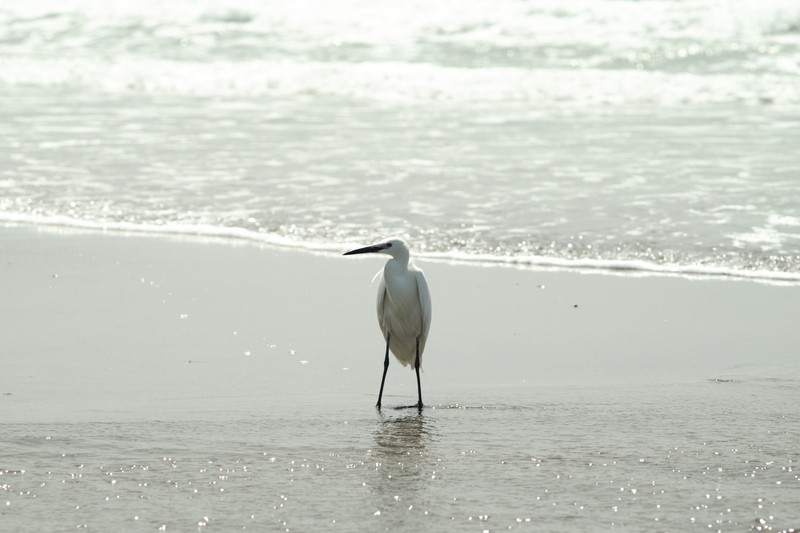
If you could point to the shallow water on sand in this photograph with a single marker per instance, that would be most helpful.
(713, 455)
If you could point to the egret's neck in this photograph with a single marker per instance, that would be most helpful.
(398, 263)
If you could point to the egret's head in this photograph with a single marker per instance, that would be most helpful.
(397, 248)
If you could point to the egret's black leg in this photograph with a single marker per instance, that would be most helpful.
(385, 368)
(416, 368)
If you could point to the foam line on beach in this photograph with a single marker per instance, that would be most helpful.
(622, 267)
(629, 267)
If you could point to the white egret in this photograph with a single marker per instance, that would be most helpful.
(404, 307)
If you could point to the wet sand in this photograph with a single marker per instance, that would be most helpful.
(179, 363)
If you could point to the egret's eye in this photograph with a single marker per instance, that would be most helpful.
(388, 245)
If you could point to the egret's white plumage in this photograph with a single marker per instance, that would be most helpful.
(403, 306)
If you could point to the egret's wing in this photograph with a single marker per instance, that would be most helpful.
(425, 304)
(381, 301)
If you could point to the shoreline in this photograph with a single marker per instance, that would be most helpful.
(215, 234)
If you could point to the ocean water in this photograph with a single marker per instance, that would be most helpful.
(653, 135)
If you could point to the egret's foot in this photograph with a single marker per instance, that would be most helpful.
(417, 405)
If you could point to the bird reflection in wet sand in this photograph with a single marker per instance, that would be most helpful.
(401, 458)
(402, 436)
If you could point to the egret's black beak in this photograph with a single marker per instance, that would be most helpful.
(366, 250)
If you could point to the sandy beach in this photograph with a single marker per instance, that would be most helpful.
(121, 350)
(140, 323)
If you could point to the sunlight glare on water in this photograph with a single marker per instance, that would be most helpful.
(640, 135)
